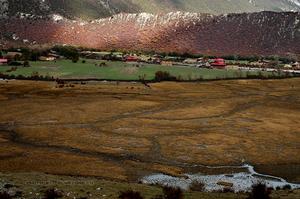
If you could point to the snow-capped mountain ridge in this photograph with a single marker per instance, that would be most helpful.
(296, 2)
(93, 9)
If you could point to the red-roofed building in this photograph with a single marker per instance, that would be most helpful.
(218, 63)
(3, 61)
(131, 59)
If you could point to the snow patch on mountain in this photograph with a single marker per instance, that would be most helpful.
(57, 17)
(44, 5)
(263, 33)
(143, 20)
(93, 9)
(3, 8)
(296, 2)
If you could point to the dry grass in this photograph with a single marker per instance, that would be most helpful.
(126, 131)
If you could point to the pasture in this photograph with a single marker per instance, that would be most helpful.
(123, 71)
(110, 135)
(124, 131)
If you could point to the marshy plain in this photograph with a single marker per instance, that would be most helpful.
(125, 131)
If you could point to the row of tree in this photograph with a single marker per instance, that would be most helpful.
(29, 54)
(73, 53)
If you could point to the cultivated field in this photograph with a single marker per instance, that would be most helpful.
(124, 131)
(123, 71)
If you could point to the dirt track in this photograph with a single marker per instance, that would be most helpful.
(126, 131)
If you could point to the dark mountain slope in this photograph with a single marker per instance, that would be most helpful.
(263, 33)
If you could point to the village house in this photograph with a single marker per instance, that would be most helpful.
(154, 60)
(144, 58)
(203, 63)
(118, 56)
(91, 55)
(131, 58)
(3, 61)
(218, 63)
(47, 58)
(57, 56)
(173, 59)
(296, 65)
(256, 64)
(287, 66)
(13, 55)
(166, 63)
(232, 67)
(190, 61)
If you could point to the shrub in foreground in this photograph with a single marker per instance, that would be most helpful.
(75, 59)
(259, 191)
(287, 187)
(26, 64)
(4, 195)
(130, 195)
(14, 63)
(171, 193)
(52, 194)
(197, 186)
(227, 190)
(164, 76)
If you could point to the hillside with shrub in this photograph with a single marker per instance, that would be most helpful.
(262, 33)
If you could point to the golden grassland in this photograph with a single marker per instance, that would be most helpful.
(123, 131)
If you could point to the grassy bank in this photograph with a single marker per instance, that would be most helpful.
(34, 185)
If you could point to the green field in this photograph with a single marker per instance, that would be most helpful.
(121, 71)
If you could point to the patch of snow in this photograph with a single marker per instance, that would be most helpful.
(143, 20)
(57, 17)
(44, 5)
(15, 37)
(3, 8)
(296, 22)
(296, 2)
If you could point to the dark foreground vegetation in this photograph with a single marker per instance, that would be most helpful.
(4, 195)
(34, 76)
(53, 194)
(259, 191)
(130, 195)
(168, 193)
